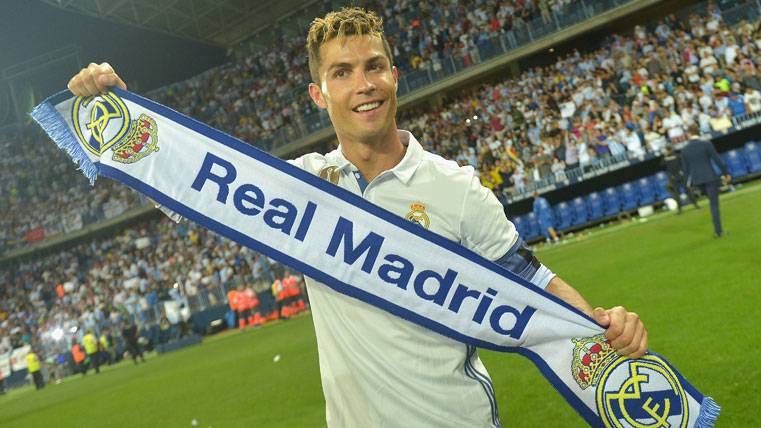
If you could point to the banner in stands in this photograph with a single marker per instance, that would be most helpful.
(35, 235)
(18, 358)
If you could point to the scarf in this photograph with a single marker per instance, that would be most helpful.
(363, 251)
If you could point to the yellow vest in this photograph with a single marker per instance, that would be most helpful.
(32, 362)
(91, 343)
(103, 342)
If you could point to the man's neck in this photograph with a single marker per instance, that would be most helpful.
(372, 158)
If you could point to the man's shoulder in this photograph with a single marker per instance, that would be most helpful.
(431, 163)
(312, 162)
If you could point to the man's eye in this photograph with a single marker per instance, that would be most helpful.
(340, 73)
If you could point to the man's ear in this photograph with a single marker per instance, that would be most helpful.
(395, 72)
(316, 94)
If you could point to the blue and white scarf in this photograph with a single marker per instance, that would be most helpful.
(358, 249)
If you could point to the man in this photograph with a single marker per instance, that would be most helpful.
(699, 158)
(91, 348)
(378, 369)
(543, 212)
(673, 166)
(33, 365)
(130, 335)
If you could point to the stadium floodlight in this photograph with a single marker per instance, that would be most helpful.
(57, 334)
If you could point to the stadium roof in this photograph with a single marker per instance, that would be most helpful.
(219, 22)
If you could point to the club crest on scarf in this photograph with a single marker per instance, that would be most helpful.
(100, 121)
(418, 215)
(103, 122)
(631, 393)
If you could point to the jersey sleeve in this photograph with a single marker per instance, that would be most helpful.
(485, 229)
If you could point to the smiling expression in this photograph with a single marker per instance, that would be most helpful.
(358, 88)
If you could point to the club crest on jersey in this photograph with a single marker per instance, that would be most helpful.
(100, 121)
(418, 215)
(141, 141)
(631, 393)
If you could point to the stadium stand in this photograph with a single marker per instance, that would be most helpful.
(583, 113)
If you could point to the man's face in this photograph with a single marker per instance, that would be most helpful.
(358, 88)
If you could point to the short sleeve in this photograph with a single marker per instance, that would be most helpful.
(484, 228)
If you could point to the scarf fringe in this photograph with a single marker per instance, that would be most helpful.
(50, 120)
(709, 411)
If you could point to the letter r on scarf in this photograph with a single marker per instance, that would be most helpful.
(222, 180)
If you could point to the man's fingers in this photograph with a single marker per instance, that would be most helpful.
(110, 80)
(601, 316)
(617, 323)
(642, 346)
(628, 342)
(95, 79)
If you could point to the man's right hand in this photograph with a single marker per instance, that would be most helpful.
(95, 79)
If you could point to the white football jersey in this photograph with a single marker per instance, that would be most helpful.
(378, 369)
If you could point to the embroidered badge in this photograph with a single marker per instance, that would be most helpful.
(141, 141)
(100, 121)
(330, 173)
(418, 215)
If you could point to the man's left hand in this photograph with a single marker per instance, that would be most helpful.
(624, 330)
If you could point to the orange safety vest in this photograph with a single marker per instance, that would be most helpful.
(232, 299)
(251, 298)
(59, 291)
(291, 285)
(77, 353)
(278, 289)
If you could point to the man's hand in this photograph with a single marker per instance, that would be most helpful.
(95, 79)
(625, 331)
(726, 179)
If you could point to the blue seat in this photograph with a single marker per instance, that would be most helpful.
(518, 223)
(563, 215)
(596, 206)
(612, 201)
(735, 163)
(629, 197)
(580, 211)
(646, 189)
(753, 156)
(532, 227)
(660, 183)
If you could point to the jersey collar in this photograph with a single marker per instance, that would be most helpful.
(403, 171)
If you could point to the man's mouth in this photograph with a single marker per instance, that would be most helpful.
(363, 108)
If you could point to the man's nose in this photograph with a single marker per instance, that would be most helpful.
(364, 84)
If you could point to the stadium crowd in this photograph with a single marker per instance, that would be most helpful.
(264, 92)
(632, 95)
(51, 302)
(41, 195)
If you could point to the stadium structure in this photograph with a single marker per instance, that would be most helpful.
(573, 100)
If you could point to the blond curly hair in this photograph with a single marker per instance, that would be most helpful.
(349, 21)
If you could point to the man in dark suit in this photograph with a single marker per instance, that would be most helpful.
(698, 159)
(672, 163)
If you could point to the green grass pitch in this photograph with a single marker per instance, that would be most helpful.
(697, 295)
